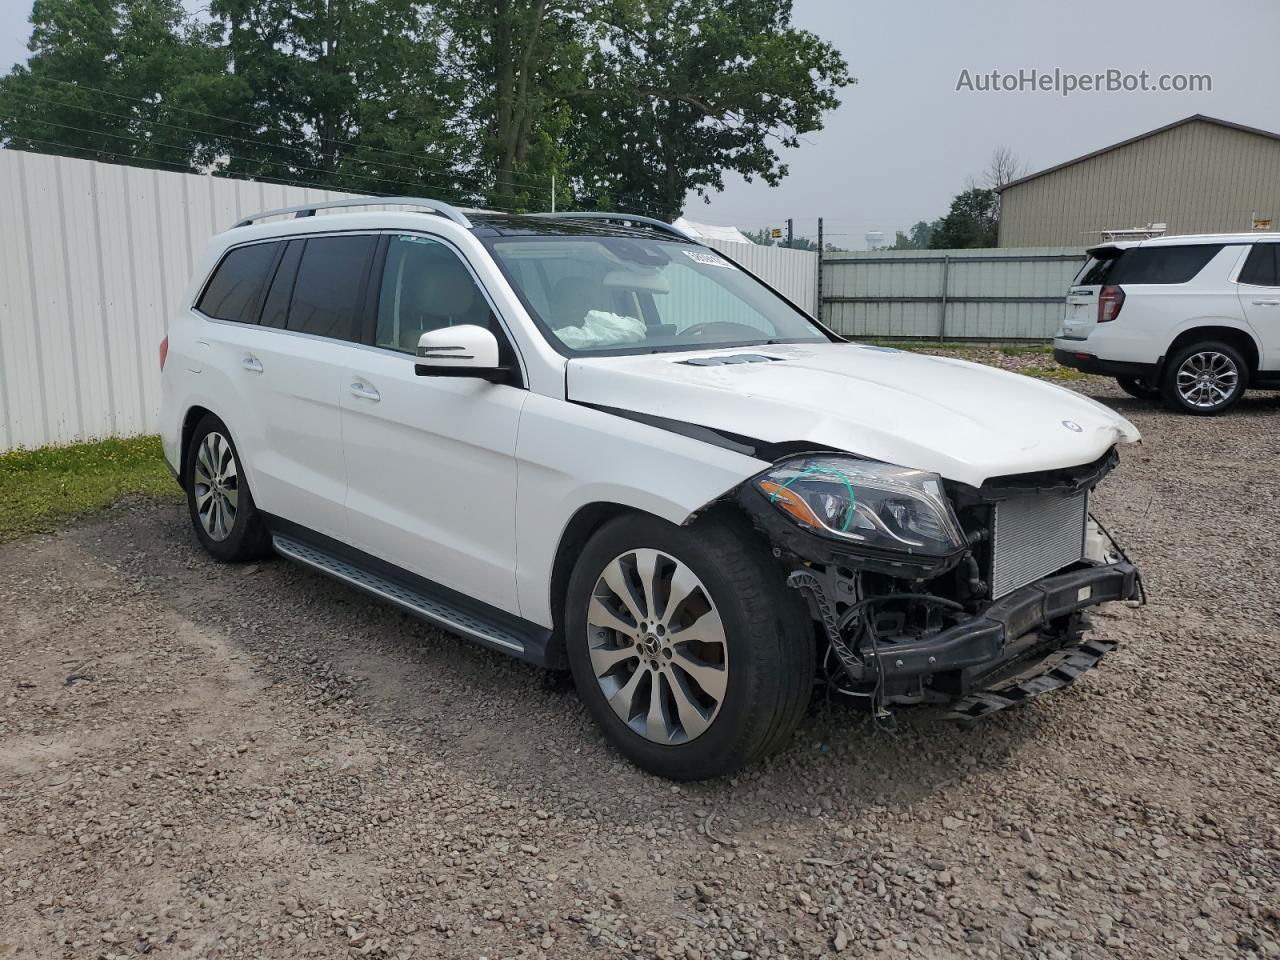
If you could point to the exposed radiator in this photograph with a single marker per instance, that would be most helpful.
(1033, 537)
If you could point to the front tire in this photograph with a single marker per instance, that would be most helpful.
(1204, 378)
(225, 518)
(1138, 388)
(686, 646)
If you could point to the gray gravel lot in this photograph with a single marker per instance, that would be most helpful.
(200, 760)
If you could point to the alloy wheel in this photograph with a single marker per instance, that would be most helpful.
(657, 646)
(1207, 378)
(217, 486)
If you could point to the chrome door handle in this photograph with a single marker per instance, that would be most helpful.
(364, 391)
(252, 364)
(1267, 303)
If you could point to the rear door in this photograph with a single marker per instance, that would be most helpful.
(311, 322)
(1259, 288)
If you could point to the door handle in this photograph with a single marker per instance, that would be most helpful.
(1267, 303)
(364, 391)
(251, 363)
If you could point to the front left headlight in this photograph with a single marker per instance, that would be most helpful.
(869, 503)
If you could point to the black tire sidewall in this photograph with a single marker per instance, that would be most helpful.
(1169, 379)
(1137, 388)
(738, 588)
(245, 540)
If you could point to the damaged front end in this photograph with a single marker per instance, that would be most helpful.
(929, 591)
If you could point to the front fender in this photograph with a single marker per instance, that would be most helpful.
(570, 456)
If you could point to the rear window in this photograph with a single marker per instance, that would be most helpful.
(235, 289)
(1262, 268)
(1159, 264)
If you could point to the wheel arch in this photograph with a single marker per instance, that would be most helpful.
(581, 527)
(190, 420)
(1234, 336)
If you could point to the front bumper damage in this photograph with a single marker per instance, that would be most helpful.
(970, 654)
(1006, 631)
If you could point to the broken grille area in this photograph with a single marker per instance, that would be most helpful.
(1033, 537)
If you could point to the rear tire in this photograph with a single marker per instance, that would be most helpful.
(1204, 379)
(1138, 388)
(225, 518)
(751, 654)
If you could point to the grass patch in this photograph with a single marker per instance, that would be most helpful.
(1028, 350)
(919, 346)
(39, 489)
(1054, 373)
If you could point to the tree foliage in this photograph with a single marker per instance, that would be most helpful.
(917, 238)
(637, 103)
(972, 221)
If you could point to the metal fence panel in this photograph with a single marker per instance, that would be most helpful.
(999, 294)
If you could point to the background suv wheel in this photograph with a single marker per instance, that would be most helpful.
(686, 646)
(218, 497)
(1204, 378)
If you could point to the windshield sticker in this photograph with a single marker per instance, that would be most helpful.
(707, 258)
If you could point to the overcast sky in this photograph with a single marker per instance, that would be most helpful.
(905, 140)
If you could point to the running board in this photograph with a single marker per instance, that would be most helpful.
(415, 601)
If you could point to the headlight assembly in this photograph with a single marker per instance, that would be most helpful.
(864, 502)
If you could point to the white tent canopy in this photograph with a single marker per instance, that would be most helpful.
(706, 231)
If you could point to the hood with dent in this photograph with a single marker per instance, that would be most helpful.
(965, 421)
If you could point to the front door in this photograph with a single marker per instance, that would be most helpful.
(431, 470)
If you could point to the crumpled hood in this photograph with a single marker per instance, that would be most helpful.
(965, 421)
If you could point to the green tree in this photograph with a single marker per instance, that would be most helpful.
(972, 221)
(681, 91)
(917, 238)
(145, 57)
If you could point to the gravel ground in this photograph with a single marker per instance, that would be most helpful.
(200, 760)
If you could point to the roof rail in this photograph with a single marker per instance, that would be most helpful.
(657, 224)
(309, 209)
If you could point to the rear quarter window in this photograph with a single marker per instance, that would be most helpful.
(235, 289)
(1161, 264)
(1262, 269)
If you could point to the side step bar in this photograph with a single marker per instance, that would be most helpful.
(415, 601)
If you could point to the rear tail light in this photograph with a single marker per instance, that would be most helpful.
(1110, 300)
(164, 352)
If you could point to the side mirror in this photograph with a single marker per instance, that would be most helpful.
(462, 351)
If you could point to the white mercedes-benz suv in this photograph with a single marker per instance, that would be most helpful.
(590, 442)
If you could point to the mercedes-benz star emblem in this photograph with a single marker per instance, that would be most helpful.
(1073, 426)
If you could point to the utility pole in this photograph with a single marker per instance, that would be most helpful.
(818, 306)
(791, 231)
(553, 193)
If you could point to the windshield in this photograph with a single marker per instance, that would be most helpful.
(636, 295)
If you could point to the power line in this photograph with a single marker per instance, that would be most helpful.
(191, 155)
(417, 160)
(244, 123)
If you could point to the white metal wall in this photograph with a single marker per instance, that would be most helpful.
(997, 294)
(95, 256)
(793, 273)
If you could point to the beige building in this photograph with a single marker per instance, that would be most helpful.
(1198, 175)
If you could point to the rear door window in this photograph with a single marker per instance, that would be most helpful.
(1262, 269)
(1161, 264)
(234, 291)
(328, 293)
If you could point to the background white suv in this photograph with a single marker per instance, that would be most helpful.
(1192, 319)
(589, 441)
